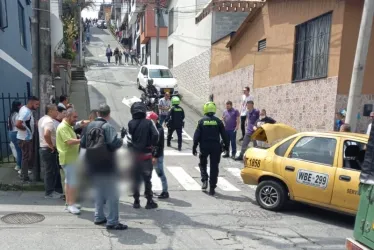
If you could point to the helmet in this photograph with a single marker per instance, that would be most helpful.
(175, 100)
(138, 108)
(152, 116)
(209, 107)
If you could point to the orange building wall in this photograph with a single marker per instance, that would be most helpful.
(352, 20)
(276, 22)
(150, 27)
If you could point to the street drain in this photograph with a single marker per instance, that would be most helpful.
(22, 218)
(258, 214)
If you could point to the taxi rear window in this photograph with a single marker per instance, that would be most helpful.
(282, 149)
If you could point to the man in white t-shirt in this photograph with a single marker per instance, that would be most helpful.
(25, 125)
(48, 152)
(243, 110)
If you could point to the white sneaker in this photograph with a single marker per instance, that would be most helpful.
(73, 210)
(17, 168)
(29, 172)
(77, 206)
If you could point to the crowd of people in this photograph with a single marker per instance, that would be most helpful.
(117, 53)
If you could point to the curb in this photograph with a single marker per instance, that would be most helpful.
(22, 187)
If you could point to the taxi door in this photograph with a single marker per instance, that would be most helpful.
(345, 194)
(310, 167)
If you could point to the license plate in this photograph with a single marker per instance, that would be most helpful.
(314, 179)
(167, 90)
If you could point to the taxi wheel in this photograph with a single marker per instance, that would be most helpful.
(271, 195)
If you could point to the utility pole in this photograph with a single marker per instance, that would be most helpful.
(35, 48)
(42, 65)
(80, 35)
(158, 32)
(358, 72)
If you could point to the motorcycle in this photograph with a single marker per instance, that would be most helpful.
(150, 97)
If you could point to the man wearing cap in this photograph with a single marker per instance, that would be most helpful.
(158, 156)
(252, 116)
(371, 121)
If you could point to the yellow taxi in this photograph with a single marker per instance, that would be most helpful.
(317, 168)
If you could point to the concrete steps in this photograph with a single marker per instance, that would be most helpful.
(78, 74)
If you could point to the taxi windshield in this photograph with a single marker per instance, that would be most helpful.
(160, 73)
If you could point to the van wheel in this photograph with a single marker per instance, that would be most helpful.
(138, 84)
(271, 195)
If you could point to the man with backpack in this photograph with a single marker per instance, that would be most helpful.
(143, 136)
(101, 142)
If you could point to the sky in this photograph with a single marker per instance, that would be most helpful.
(92, 13)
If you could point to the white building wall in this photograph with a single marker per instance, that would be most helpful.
(189, 39)
(163, 52)
(191, 48)
(56, 26)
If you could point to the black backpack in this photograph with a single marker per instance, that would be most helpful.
(97, 151)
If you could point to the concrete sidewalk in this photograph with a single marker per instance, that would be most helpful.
(80, 99)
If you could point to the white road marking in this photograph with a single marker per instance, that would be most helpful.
(185, 136)
(156, 181)
(236, 172)
(184, 178)
(222, 183)
(130, 101)
(176, 153)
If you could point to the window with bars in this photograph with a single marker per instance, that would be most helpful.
(311, 53)
(261, 45)
(3, 14)
(21, 21)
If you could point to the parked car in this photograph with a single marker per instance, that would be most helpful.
(162, 77)
(318, 168)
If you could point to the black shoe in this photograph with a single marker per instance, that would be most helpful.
(100, 222)
(168, 144)
(233, 157)
(136, 205)
(212, 192)
(241, 139)
(204, 186)
(151, 205)
(179, 148)
(239, 158)
(226, 155)
(119, 226)
(163, 195)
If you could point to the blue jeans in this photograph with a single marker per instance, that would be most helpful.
(162, 119)
(232, 140)
(106, 191)
(13, 139)
(159, 167)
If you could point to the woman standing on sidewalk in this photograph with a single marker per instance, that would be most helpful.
(16, 105)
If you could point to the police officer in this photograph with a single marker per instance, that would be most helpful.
(175, 121)
(208, 132)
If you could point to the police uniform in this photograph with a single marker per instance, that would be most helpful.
(175, 121)
(208, 134)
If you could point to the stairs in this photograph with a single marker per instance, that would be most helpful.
(78, 74)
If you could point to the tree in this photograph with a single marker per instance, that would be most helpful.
(71, 7)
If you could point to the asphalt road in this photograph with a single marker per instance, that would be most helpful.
(190, 219)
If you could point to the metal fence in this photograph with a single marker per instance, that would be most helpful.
(5, 107)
